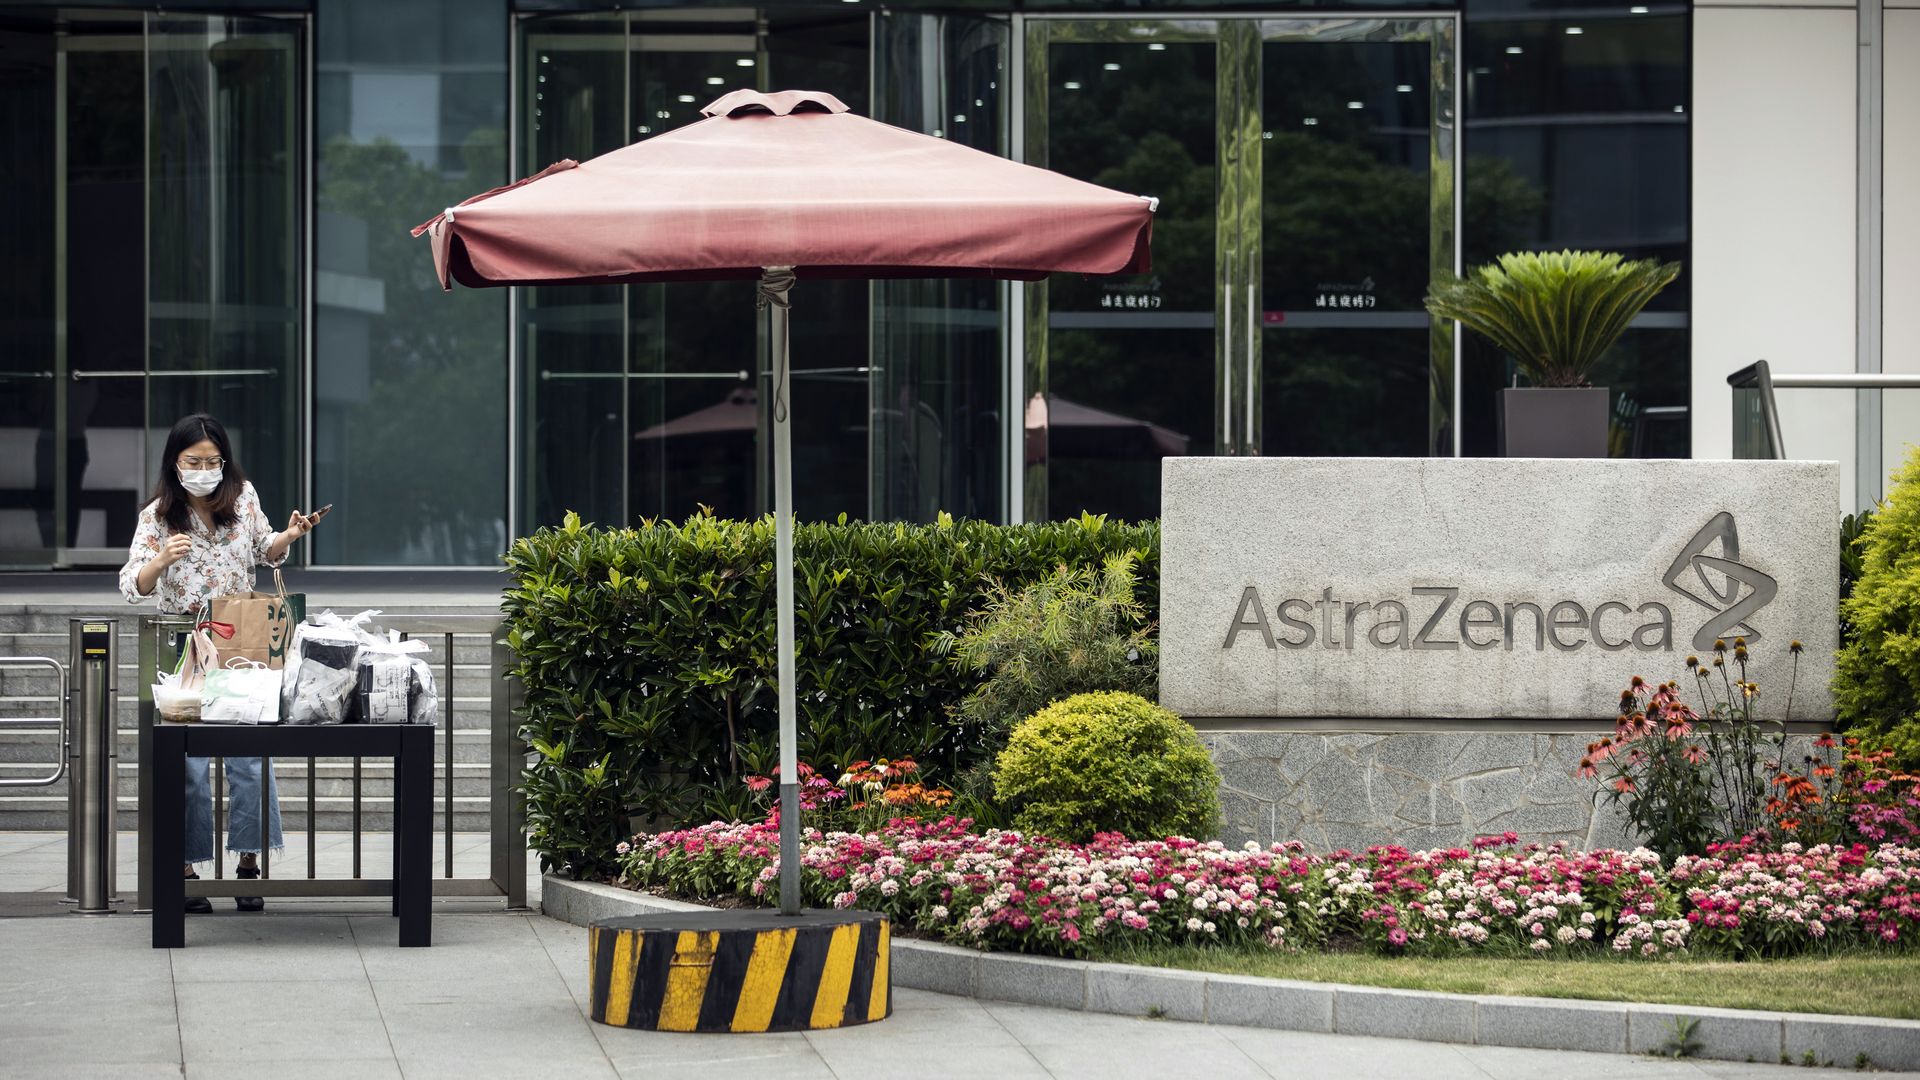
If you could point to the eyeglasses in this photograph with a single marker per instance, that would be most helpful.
(201, 463)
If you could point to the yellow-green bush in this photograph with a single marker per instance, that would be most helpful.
(1108, 762)
(1876, 682)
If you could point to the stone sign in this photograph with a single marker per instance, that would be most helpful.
(1488, 588)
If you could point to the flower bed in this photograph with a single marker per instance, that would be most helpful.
(1002, 890)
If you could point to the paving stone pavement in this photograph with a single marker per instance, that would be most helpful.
(298, 993)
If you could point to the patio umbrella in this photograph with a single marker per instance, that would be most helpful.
(779, 187)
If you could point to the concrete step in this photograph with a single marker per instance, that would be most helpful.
(468, 712)
(471, 814)
(467, 648)
(332, 778)
(470, 744)
(18, 618)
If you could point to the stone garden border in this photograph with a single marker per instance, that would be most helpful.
(1334, 1008)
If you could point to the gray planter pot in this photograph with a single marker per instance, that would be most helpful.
(1553, 422)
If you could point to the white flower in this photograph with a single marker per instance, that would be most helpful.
(1193, 924)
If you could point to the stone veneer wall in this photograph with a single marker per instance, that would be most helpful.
(1344, 789)
(1424, 789)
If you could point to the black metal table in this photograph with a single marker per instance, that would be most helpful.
(409, 745)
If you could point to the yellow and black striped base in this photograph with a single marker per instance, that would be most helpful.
(747, 970)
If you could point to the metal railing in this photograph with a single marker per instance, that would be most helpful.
(1756, 414)
(507, 868)
(58, 723)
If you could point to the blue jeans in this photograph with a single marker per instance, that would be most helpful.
(243, 809)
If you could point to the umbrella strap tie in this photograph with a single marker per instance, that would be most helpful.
(775, 281)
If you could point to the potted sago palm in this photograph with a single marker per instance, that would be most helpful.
(1556, 313)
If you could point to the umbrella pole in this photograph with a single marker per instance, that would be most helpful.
(774, 283)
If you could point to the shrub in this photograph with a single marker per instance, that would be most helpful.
(1852, 528)
(1876, 681)
(646, 656)
(1108, 763)
(1076, 631)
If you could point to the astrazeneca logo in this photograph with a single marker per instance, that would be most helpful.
(1433, 617)
(1732, 608)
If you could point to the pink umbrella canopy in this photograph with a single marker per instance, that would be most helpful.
(788, 179)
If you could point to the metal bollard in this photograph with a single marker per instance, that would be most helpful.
(94, 788)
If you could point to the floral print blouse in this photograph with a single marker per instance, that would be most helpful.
(220, 563)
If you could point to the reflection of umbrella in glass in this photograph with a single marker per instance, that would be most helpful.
(738, 414)
(1060, 428)
(777, 187)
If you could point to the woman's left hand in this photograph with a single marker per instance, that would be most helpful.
(298, 526)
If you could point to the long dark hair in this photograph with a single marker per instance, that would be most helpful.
(172, 505)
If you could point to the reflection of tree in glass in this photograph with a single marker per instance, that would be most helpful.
(1337, 213)
(1130, 372)
(427, 452)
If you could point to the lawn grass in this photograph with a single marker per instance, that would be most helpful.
(1855, 984)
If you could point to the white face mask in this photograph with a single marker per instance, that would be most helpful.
(200, 482)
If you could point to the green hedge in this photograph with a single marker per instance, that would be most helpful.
(1876, 680)
(646, 657)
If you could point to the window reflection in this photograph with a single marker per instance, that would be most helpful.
(409, 382)
(1130, 361)
(1577, 136)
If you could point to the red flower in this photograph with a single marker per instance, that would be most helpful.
(758, 783)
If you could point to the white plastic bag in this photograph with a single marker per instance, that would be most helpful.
(175, 704)
(423, 705)
(243, 692)
(321, 668)
(386, 680)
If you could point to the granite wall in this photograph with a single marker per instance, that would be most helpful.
(1422, 789)
(1347, 789)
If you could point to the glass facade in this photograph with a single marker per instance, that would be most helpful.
(409, 384)
(1577, 136)
(155, 266)
(212, 212)
(643, 401)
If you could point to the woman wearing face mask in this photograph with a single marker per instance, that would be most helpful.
(201, 537)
